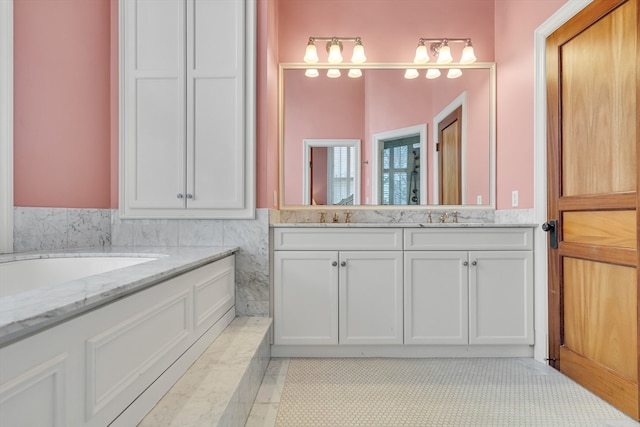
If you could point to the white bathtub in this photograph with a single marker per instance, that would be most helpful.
(29, 274)
(94, 338)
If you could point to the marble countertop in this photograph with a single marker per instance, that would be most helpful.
(32, 310)
(398, 225)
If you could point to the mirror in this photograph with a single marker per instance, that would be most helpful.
(419, 141)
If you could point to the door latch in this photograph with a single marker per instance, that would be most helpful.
(552, 227)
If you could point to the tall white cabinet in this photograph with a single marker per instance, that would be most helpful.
(187, 73)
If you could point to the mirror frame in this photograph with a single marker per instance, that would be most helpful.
(491, 66)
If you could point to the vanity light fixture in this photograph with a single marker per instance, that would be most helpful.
(334, 49)
(441, 51)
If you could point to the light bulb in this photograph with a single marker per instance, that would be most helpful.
(358, 56)
(335, 57)
(333, 73)
(411, 73)
(354, 73)
(454, 73)
(311, 72)
(311, 54)
(433, 73)
(422, 56)
(444, 55)
(468, 57)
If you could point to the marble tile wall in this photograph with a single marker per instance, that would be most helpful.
(61, 228)
(38, 229)
(252, 236)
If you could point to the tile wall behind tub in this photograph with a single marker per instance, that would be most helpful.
(41, 229)
(252, 236)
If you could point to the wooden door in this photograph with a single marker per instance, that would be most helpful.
(593, 122)
(450, 158)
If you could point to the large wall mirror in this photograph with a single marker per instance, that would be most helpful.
(408, 142)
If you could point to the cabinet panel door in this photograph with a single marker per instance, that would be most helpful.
(153, 120)
(436, 297)
(370, 297)
(215, 102)
(305, 297)
(501, 297)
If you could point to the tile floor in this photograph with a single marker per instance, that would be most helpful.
(305, 392)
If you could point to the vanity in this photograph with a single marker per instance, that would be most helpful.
(403, 290)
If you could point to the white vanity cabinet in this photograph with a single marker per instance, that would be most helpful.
(468, 286)
(337, 286)
(186, 108)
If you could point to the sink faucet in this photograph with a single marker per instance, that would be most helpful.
(429, 218)
(323, 217)
(455, 216)
(335, 217)
(443, 217)
(347, 216)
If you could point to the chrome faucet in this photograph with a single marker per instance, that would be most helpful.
(455, 217)
(335, 217)
(323, 217)
(443, 217)
(429, 218)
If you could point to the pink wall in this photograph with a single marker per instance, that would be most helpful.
(62, 103)
(515, 24)
(65, 147)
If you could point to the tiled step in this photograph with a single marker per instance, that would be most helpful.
(220, 387)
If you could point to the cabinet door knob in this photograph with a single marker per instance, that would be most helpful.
(343, 263)
(466, 263)
(189, 196)
(179, 196)
(334, 263)
(474, 263)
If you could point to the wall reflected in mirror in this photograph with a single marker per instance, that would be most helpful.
(407, 154)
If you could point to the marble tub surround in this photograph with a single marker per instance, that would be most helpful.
(251, 236)
(60, 228)
(220, 388)
(30, 311)
(381, 216)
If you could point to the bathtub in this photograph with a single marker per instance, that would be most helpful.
(29, 274)
(97, 337)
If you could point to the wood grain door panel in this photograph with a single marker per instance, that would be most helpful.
(592, 155)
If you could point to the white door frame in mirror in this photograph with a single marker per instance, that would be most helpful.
(308, 144)
(6, 126)
(460, 101)
(378, 140)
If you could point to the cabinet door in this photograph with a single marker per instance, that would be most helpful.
(435, 297)
(215, 104)
(370, 297)
(305, 297)
(153, 104)
(501, 297)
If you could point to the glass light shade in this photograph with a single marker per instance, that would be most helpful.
(444, 55)
(358, 56)
(468, 57)
(454, 73)
(311, 72)
(311, 54)
(354, 73)
(333, 73)
(335, 57)
(411, 73)
(422, 56)
(433, 73)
